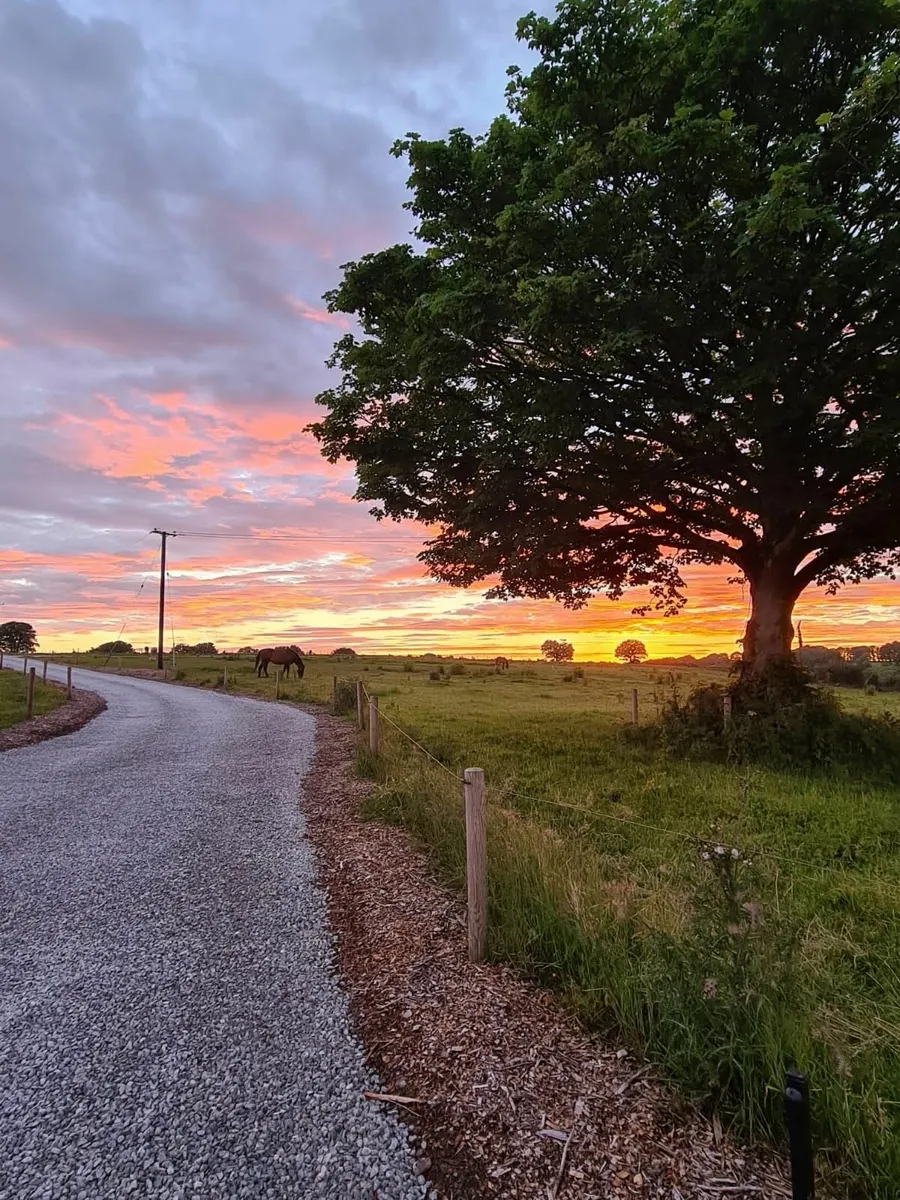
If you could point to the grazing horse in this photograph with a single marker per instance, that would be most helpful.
(281, 656)
(501, 663)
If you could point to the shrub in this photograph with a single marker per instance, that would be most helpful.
(345, 696)
(435, 675)
(781, 719)
(408, 668)
(458, 668)
(847, 675)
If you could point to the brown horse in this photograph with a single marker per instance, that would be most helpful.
(281, 656)
(501, 663)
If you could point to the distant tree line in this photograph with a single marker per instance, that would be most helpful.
(712, 662)
(843, 666)
(853, 666)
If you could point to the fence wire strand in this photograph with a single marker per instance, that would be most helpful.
(597, 814)
(384, 717)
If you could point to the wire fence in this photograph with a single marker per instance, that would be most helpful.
(703, 843)
(796, 1095)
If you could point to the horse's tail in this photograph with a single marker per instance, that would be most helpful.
(258, 657)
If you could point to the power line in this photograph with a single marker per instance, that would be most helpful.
(302, 537)
(137, 597)
(824, 870)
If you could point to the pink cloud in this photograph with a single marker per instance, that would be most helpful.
(320, 315)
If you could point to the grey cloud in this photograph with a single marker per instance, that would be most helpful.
(172, 172)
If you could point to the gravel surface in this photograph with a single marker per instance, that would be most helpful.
(170, 1022)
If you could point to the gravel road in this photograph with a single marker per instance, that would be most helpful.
(170, 1021)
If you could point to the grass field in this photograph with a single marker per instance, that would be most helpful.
(725, 970)
(13, 693)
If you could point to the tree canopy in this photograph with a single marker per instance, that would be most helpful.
(18, 637)
(202, 649)
(631, 650)
(557, 651)
(117, 647)
(652, 321)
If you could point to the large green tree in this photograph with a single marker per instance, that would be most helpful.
(653, 316)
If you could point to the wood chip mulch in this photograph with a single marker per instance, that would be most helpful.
(506, 1094)
(69, 717)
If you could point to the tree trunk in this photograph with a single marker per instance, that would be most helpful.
(769, 633)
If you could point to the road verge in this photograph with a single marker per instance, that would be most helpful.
(508, 1094)
(68, 718)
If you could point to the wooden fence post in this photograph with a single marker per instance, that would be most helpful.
(44, 676)
(69, 682)
(476, 863)
(334, 687)
(1, 660)
(360, 704)
(25, 665)
(29, 705)
(634, 706)
(373, 725)
(726, 709)
(277, 680)
(224, 677)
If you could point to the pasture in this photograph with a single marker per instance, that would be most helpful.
(13, 693)
(606, 885)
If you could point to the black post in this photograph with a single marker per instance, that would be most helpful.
(796, 1113)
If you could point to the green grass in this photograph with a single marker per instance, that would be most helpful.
(724, 973)
(13, 696)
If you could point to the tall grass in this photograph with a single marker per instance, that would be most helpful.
(723, 972)
(14, 696)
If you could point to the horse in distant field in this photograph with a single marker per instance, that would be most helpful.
(501, 663)
(281, 656)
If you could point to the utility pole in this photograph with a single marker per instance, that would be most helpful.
(163, 533)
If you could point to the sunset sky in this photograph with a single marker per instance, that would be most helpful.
(179, 183)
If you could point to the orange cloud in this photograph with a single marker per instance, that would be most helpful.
(321, 315)
(322, 572)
